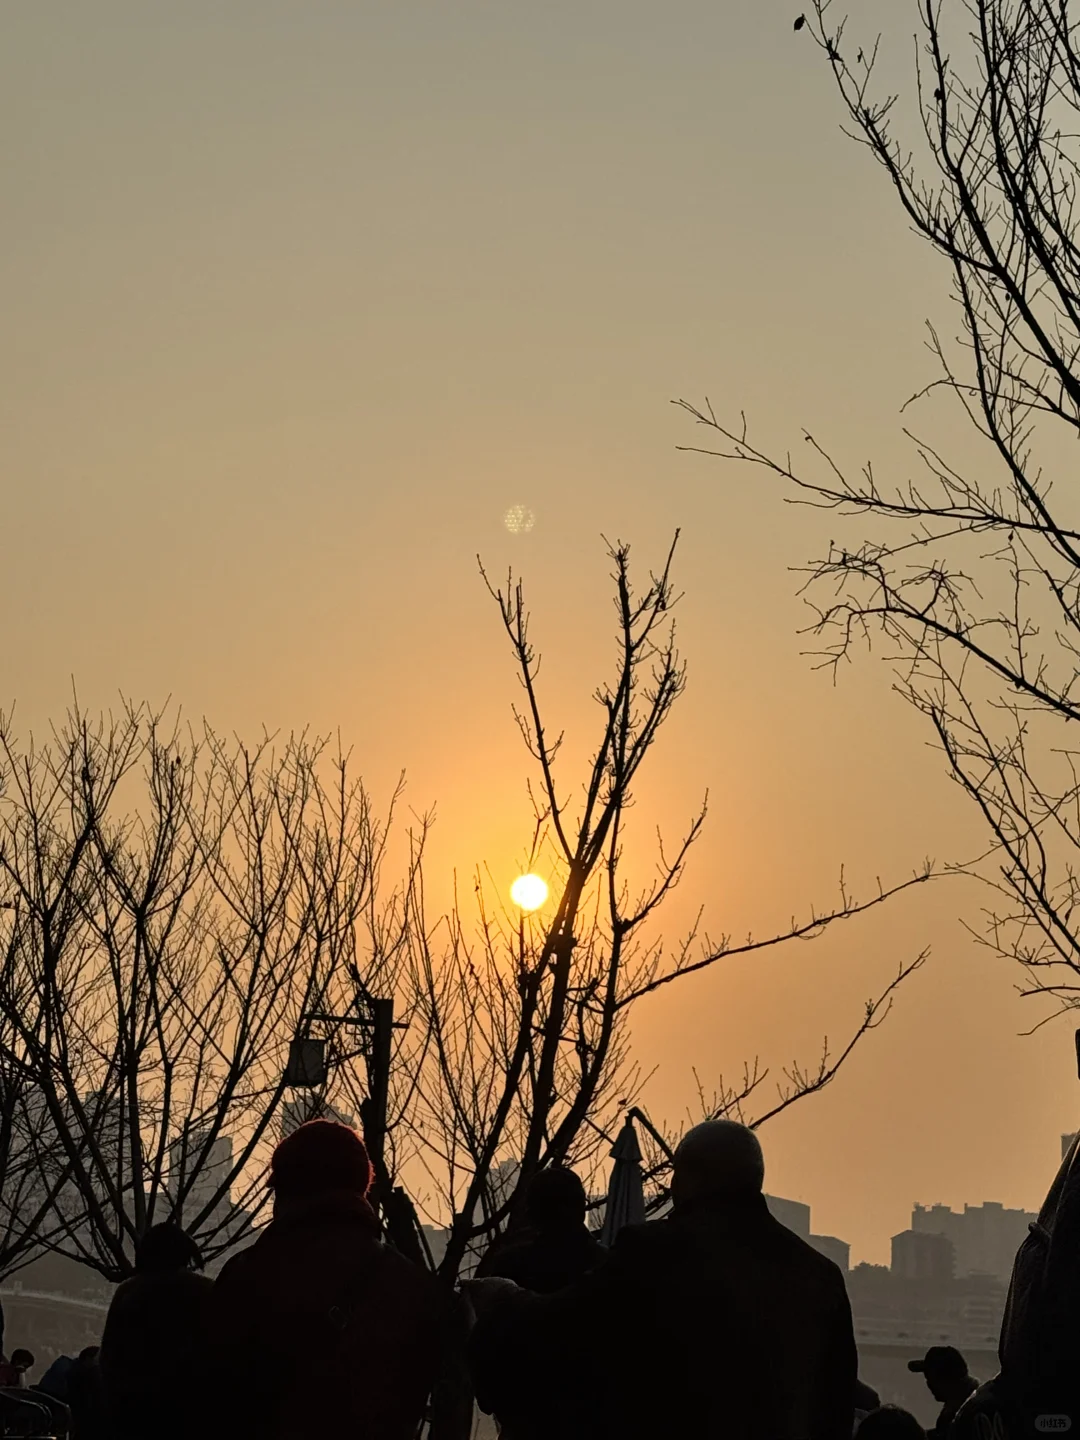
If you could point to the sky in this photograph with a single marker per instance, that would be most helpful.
(300, 299)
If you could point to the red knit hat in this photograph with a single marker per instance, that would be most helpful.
(320, 1155)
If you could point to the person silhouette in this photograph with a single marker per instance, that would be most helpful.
(866, 1400)
(372, 1324)
(715, 1321)
(90, 1419)
(22, 1411)
(154, 1333)
(946, 1374)
(890, 1422)
(558, 1248)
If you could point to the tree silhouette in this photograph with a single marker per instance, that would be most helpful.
(968, 575)
(174, 909)
(522, 1054)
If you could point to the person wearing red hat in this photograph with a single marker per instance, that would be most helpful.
(319, 1283)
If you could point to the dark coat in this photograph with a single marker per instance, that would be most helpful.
(545, 1263)
(152, 1349)
(86, 1399)
(718, 1324)
(320, 1330)
(943, 1424)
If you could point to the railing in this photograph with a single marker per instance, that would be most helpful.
(921, 1333)
(14, 1293)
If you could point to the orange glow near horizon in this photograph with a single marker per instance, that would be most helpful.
(309, 306)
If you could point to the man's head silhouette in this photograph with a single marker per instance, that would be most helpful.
(718, 1160)
(556, 1201)
(945, 1371)
(166, 1248)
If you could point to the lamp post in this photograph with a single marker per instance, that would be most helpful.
(307, 1067)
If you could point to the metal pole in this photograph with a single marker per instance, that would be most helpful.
(382, 1035)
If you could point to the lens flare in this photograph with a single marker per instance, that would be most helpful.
(519, 519)
(529, 892)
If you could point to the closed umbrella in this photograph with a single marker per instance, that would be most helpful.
(626, 1191)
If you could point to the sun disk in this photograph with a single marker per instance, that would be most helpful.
(529, 892)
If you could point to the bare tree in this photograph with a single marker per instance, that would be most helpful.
(176, 912)
(32, 1172)
(521, 1056)
(968, 574)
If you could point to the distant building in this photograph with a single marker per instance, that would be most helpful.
(838, 1251)
(923, 1255)
(502, 1180)
(796, 1216)
(896, 1319)
(199, 1170)
(791, 1213)
(890, 1307)
(437, 1240)
(985, 1237)
(307, 1105)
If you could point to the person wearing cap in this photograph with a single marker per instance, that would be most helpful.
(946, 1373)
(319, 1284)
(714, 1322)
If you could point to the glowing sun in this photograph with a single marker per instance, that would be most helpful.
(529, 892)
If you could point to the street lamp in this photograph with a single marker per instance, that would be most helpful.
(307, 1067)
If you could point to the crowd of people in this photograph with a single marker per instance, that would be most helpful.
(714, 1322)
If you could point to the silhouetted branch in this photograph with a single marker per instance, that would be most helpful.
(528, 1059)
(807, 930)
(967, 576)
(175, 909)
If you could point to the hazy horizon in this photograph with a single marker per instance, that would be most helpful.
(301, 300)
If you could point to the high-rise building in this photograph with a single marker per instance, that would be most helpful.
(985, 1237)
(200, 1168)
(922, 1255)
(791, 1213)
(796, 1216)
(437, 1239)
(838, 1251)
(308, 1106)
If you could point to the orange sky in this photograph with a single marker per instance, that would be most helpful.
(298, 299)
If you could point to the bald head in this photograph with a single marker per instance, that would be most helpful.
(719, 1160)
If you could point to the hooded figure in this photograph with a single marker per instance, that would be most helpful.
(154, 1334)
(318, 1329)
